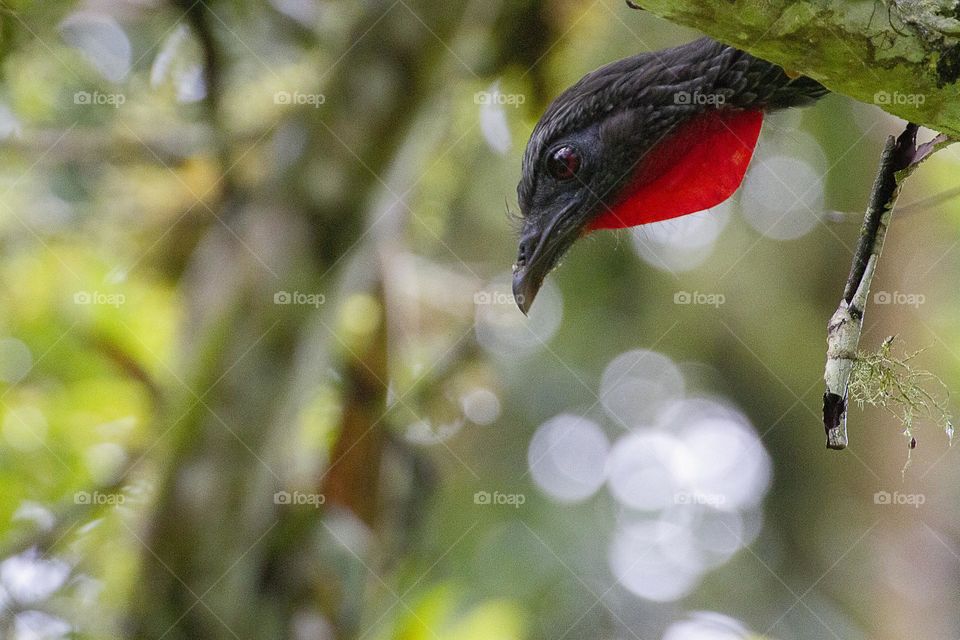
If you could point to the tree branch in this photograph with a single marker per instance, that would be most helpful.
(902, 56)
(899, 159)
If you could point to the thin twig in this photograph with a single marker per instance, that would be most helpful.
(900, 157)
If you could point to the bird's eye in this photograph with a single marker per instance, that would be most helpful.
(563, 163)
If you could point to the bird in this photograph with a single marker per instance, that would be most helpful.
(647, 138)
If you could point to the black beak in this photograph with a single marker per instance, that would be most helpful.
(525, 288)
(539, 252)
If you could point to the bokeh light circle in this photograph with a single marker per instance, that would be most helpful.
(647, 558)
(568, 457)
(644, 469)
(480, 406)
(782, 197)
(637, 385)
(502, 330)
(707, 625)
(681, 244)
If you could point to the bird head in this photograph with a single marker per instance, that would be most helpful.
(581, 156)
(648, 138)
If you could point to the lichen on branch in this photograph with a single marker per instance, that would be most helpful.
(882, 379)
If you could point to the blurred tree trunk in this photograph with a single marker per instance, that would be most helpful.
(221, 558)
(902, 55)
(352, 480)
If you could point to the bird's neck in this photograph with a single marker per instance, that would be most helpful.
(695, 167)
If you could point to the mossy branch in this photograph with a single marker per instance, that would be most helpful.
(901, 156)
(902, 55)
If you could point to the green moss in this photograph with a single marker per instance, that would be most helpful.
(882, 379)
(796, 18)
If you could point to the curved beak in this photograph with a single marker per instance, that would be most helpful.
(525, 288)
(540, 250)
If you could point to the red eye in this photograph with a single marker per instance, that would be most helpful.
(563, 163)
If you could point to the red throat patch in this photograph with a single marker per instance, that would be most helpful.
(697, 167)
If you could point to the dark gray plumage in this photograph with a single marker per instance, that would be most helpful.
(585, 147)
(647, 84)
